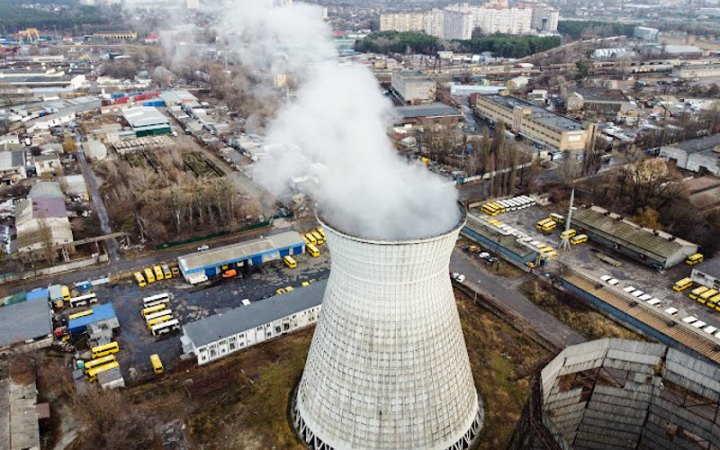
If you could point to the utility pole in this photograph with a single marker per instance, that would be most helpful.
(565, 243)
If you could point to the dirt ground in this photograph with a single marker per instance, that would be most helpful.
(241, 401)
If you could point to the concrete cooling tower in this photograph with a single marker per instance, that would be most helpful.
(388, 367)
(621, 394)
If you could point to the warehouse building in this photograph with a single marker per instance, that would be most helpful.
(533, 122)
(429, 114)
(652, 247)
(701, 155)
(25, 321)
(495, 241)
(146, 121)
(101, 323)
(271, 248)
(413, 88)
(217, 336)
(707, 273)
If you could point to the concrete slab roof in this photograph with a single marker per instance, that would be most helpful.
(24, 320)
(220, 326)
(238, 252)
(46, 190)
(537, 113)
(12, 159)
(431, 110)
(703, 144)
(710, 267)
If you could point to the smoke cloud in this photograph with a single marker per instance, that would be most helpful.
(334, 129)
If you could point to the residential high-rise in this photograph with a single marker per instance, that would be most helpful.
(388, 368)
(434, 22)
(402, 22)
(498, 17)
(457, 24)
(545, 18)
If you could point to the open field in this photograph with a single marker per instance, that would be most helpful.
(240, 402)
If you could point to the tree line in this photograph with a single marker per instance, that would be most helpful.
(70, 18)
(577, 29)
(506, 46)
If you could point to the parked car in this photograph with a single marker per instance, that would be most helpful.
(203, 247)
(458, 277)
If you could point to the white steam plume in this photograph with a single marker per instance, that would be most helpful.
(334, 130)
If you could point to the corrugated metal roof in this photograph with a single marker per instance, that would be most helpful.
(46, 190)
(12, 159)
(710, 267)
(25, 320)
(220, 326)
(238, 252)
(100, 312)
(144, 116)
(431, 110)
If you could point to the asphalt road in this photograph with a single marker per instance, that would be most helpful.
(505, 291)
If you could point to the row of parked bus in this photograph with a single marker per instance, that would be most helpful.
(103, 358)
(158, 316)
(512, 204)
(155, 273)
(705, 296)
(313, 239)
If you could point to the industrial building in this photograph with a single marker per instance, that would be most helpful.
(146, 121)
(427, 114)
(707, 273)
(413, 87)
(506, 245)
(646, 33)
(701, 155)
(98, 324)
(20, 413)
(388, 367)
(614, 393)
(12, 167)
(39, 220)
(271, 248)
(652, 247)
(690, 71)
(217, 336)
(533, 122)
(25, 321)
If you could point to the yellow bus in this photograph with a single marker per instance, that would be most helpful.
(158, 273)
(579, 239)
(683, 284)
(98, 362)
(65, 292)
(695, 293)
(157, 364)
(322, 232)
(77, 315)
(310, 239)
(149, 275)
(557, 218)
(547, 227)
(567, 234)
(166, 271)
(500, 208)
(93, 373)
(707, 295)
(318, 238)
(290, 261)
(540, 223)
(153, 309)
(139, 279)
(158, 320)
(489, 210)
(314, 252)
(697, 258)
(153, 316)
(104, 350)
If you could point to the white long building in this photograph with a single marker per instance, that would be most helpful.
(217, 336)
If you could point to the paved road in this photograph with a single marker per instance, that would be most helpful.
(110, 244)
(505, 290)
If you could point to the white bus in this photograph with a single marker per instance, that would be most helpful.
(83, 300)
(165, 327)
(155, 315)
(156, 300)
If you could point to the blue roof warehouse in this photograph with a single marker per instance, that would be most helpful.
(271, 248)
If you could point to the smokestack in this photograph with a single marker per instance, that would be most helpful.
(388, 367)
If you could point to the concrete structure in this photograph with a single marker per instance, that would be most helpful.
(458, 24)
(20, 322)
(646, 33)
(701, 155)
(652, 247)
(146, 121)
(271, 248)
(177, 97)
(388, 368)
(434, 22)
(46, 190)
(12, 167)
(19, 414)
(74, 186)
(49, 121)
(40, 222)
(535, 123)
(217, 336)
(468, 89)
(614, 393)
(402, 22)
(499, 242)
(544, 18)
(498, 17)
(690, 71)
(431, 113)
(95, 150)
(111, 379)
(414, 87)
(46, 164)
(707, 273)
(600, 101)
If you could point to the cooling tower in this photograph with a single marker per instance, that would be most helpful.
(388, 367)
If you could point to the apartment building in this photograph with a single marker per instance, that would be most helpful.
(503, 18)
(533, 122)
(402, 22)
(544, 18)
(458, 24)
(434, 22)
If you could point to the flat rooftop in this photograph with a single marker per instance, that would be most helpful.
(237, 252)
(507, 241)
(640, 239)
(144, 116)
(22, 321)
(220, 326)
(710, 267)
(703, 144)
(601, 95)
(539, 114)
(431, 110)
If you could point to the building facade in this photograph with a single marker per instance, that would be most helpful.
(434, 22)
(707, 273)
(502, 18)
(701, 155)
(533, 122)
(690, 71)
(414, 87)
(458, 24)
(402, 22)
(545, 18)
(215, 337)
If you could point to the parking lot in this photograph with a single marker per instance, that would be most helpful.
(658, 284)
(190, 303)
